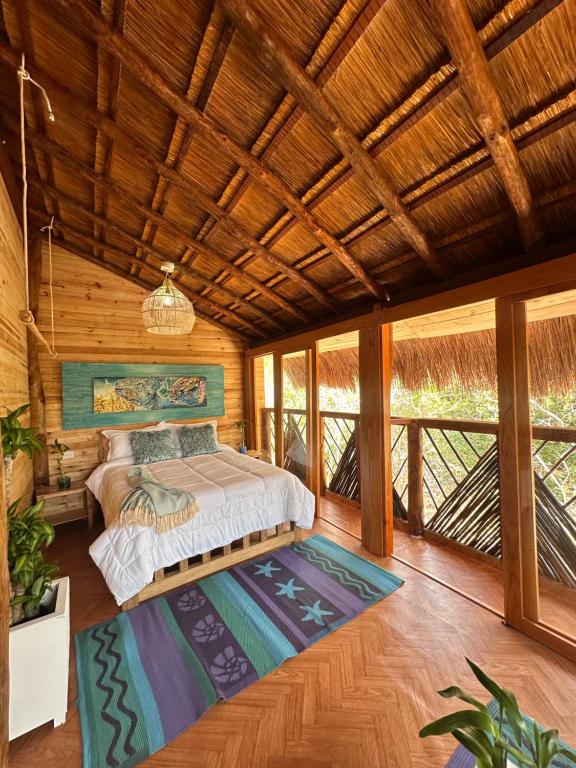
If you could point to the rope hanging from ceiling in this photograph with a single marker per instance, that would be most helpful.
(26, 315)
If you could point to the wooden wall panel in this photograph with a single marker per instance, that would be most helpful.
(13, 342)
(97, 317)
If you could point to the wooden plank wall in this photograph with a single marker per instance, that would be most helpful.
(13, 341)
(97, 318)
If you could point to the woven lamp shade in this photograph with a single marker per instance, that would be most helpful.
(167, 311)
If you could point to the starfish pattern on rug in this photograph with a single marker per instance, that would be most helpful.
(288, 589)
(315, 613)
(266, 570)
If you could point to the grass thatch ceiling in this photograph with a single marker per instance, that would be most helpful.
(467, 359)
(300, 168)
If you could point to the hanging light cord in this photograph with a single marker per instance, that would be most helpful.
(27, 316)
(50, 228)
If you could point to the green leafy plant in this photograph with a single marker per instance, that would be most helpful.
(28, 535)
(15, 439)
(484, 736)
(58, 449)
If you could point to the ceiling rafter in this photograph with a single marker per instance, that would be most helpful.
(501, 31)
(91, 243)
(212, 49)
(456, 27)
(473, 231)
(88, 173)
(352, 18)
(87, 21)
(197, 195)
(109, 72)
(139, 281)
(451, 175)
(273, 52)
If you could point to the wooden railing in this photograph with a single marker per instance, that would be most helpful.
(446, 482)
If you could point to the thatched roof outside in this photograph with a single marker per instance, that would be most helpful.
(467, 358)
(174, 140)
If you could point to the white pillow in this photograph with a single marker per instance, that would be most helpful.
(119, 446)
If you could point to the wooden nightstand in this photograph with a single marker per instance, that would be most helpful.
(63, 506)
(256, 454)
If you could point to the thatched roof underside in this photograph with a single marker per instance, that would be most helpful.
(467, 359)
(176, 138)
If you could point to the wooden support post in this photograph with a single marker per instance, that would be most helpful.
(322, 456)
(4, 621)
(415, 481)
(314, 449)
(518, 520)
(250, 403)
(278, 410)
(376, 460)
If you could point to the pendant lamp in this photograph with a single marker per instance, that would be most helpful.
(166, 310)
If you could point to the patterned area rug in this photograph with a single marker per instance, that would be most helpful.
(464, 759)
(148, 674)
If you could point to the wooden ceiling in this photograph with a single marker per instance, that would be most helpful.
(296, 160)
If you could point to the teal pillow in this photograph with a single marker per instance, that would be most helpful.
(155, 445)
(195, 441)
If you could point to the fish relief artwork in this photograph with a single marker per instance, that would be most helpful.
(148, 393)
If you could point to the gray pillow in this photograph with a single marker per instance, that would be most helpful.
(156, 445)
(195, 441)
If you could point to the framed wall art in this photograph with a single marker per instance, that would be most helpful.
(103, 394)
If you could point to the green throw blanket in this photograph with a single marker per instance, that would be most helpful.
(151, 504)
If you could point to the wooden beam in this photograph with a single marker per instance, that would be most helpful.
(415, 480)
(84, 18)
(500, 31)
(551, 266)
(315, 434)
(375, 373)
(518, 521)
(278, 410)
(457, 28)
(276, 56)
(143, 154)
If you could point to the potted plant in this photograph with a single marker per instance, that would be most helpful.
(16, 438)
(493, 739)
(39, 638)
(30, 576)
(58, 449)
(242, 424)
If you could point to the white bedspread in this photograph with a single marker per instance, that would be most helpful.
(237, 495)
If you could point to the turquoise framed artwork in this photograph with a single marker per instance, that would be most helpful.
(105, 394)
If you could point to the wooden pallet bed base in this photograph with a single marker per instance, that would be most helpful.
(251, 546)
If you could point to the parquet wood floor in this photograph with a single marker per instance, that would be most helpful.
(355, 700)
(557, 603)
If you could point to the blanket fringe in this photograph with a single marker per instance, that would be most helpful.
(144, 515)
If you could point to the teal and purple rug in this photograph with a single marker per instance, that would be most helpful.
(148, 674)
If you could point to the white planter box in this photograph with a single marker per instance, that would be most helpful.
(38, 660)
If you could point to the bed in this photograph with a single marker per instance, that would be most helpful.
(246, 507)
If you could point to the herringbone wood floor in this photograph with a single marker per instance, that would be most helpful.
(355, 700)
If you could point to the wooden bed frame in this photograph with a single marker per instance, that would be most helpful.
(197, 567)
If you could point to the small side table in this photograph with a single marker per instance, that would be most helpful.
(256, 453)
(67, 504)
